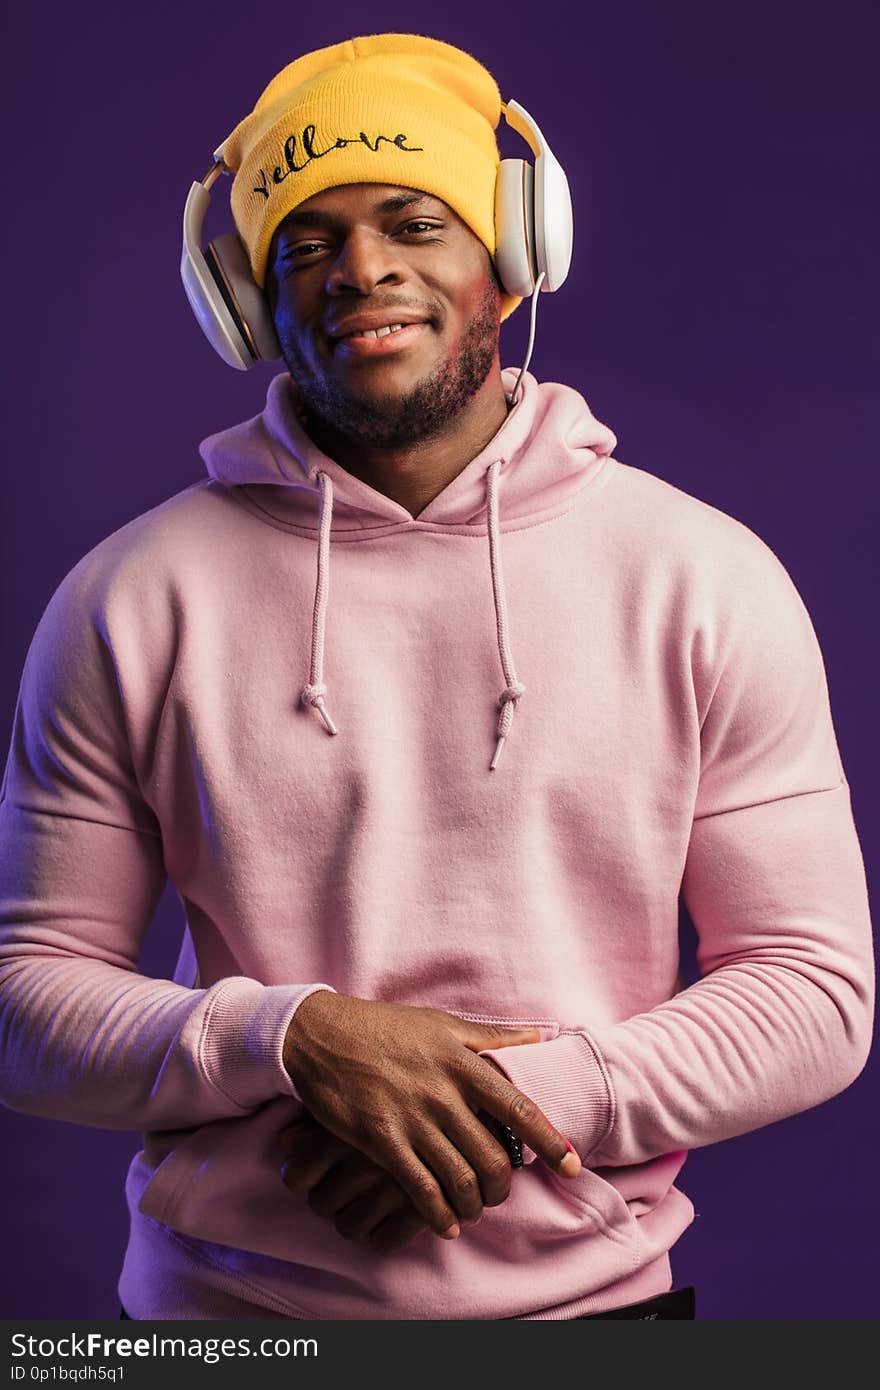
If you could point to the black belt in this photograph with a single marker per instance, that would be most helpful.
(677, 1303)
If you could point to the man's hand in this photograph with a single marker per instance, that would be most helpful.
(362, 1200)
(402, 1086)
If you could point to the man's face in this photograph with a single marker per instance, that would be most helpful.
(383, 254)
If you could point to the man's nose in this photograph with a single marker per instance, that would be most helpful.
(365, 259)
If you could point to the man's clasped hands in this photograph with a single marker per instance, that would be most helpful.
(391, 1144)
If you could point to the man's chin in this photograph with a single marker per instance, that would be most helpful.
(385, 423)
(379, 402)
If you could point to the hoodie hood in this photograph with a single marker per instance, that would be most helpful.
(549, 447)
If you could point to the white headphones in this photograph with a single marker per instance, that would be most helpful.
(533, 232)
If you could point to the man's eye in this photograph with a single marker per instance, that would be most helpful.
(293, 252)
(431, 226)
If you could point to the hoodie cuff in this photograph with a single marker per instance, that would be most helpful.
(567, 1080)
(242, 1049)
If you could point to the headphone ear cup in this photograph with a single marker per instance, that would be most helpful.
(246, 302)
(202, 285)
(554, 231)
(515, 227)
(231, 309)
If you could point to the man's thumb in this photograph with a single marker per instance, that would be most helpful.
(479, 1036)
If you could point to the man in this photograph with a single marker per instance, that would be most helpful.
(409, 958)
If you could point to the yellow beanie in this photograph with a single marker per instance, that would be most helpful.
(384, 108)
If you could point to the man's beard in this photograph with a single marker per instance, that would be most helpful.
(426, 409)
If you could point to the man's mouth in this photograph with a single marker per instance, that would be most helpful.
(373, 322)
(374, 332)
(380, 342)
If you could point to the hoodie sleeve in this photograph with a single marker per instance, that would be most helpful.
(85, 1037)
(781, 1018)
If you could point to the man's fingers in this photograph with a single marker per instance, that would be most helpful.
(359, 1217)
(308, 1158)
(513, 1108)
(362, 1199)
(456, 1174)
(300, 1138)
(474, 1141)
(420, 1185)
(344, 1182)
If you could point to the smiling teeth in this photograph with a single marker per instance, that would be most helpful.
(378, 332)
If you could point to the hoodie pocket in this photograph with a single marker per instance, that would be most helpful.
(221, 1192)
(593, 1200)
(222, 1182)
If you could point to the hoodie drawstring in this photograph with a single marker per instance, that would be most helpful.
(514, 690)
(314, 692)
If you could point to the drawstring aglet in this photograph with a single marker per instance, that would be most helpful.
(498, 747)
(327, 720)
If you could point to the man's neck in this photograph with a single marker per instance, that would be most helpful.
(414, 474)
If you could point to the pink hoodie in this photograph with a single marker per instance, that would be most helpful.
(653, 681)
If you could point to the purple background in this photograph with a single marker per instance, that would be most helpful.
(720, 316)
